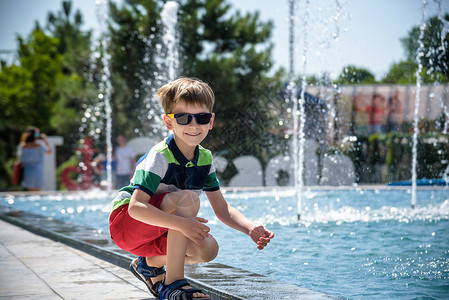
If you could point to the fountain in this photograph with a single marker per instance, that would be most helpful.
(167, 64)
(169, 18)
(93, 114)
(97, 117)
(417, 100)
(292, 90)
(105, 86)
(335, 129)
(299, 113)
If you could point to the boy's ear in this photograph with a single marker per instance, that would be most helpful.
(211, 124)
(167, 121)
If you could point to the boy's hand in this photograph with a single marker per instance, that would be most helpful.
(261, 236)
(195, 230)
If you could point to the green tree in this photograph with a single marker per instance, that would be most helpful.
(50, 86)
(75, 89)
(232, 52)
(435, 57)
(403, 72)
(135, 46)
(27, 92)
(353, 75)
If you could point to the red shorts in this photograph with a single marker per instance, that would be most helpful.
(137, 237)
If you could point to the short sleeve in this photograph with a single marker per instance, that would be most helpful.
(212, 183)
(149, 172)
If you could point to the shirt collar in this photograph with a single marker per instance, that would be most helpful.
(178, 154)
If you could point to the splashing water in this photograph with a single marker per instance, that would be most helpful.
(417, 100)
(299, 117)
(302, 114)
(292, 89)
(167, 59)
(169, 18)
(106, 87)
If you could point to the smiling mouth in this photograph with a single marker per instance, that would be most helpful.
(193, 134)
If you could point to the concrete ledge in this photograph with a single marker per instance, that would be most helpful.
(218, 280)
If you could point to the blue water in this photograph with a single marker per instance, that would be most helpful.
(358, 244)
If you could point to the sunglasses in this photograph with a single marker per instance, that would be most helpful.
(186, 119)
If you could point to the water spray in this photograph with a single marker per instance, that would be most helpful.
(169, 16)
(417, 100)
(105, 86)
(292, 90)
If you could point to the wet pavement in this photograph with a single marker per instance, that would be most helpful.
(43, 258)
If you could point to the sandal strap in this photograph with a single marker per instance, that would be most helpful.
(174, 290)
(148, 272)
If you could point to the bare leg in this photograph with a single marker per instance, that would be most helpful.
(185, 204)
(195, 253)
(156, 261)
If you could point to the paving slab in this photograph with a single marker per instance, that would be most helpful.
(34, 267)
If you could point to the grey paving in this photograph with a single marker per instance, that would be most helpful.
(34, 267)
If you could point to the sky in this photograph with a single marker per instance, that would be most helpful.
(333, 34)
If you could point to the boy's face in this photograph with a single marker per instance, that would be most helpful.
(190, 135)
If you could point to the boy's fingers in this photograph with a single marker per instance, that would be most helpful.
(262, 243)
(204, 234)
(264, 239)
(205, 228)
(202, 220)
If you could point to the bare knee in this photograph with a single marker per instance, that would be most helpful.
(183, 203)
(211, 251)
(205, 252)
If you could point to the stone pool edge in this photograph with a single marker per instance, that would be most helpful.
(218, 280)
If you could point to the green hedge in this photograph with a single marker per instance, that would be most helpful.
(381, 158)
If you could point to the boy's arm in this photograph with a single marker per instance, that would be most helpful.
(141, 210)
(235, 219)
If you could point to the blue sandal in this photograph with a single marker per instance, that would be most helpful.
(174, 291)
(143, 272)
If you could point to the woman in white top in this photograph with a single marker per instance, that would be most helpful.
(126, 162)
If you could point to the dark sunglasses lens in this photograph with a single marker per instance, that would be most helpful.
(183, 119)
(203, 118)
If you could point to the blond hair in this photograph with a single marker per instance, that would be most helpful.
(191, 90)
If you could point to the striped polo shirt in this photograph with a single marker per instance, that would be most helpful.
(165, 169)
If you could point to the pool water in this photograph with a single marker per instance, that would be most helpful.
(358, 244)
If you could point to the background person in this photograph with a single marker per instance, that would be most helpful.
(99, 166)
(375, 107)
(31, 154)
(126, 162)
(395, 113)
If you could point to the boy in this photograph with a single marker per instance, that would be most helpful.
(155, 217)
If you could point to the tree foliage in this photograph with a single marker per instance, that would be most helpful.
(230, 51)
(27, 91)
(47, 86)
(433, 55)
(56, 80)
(135, 43)
(352, 75)
(75, 89)
(403, 72)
